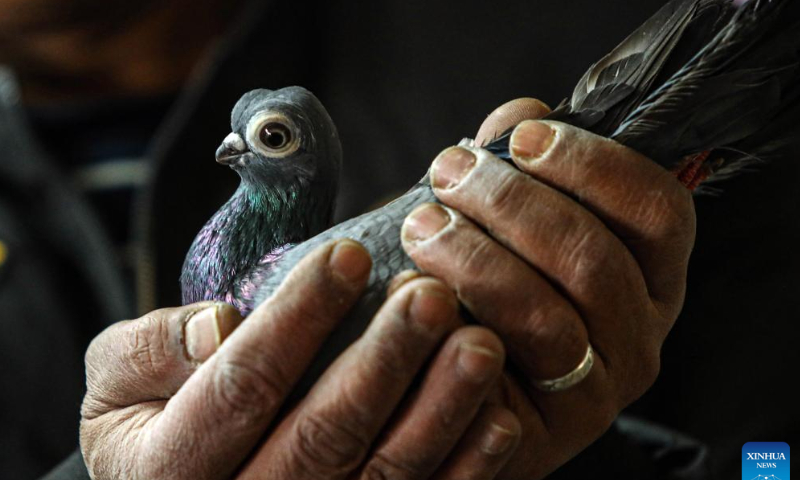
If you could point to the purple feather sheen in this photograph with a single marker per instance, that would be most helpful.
(236, 250)
(246, 286)
(225, 262)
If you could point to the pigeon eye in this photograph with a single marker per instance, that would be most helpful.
(275, 136)
(272, 135)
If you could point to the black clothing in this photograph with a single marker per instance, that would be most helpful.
(57, 290)
(402, 80)
(101, 149)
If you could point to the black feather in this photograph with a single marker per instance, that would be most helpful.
(709, 82)
(734, 86)
(700, 75)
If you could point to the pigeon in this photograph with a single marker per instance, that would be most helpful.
(705, 88)
(286, 150)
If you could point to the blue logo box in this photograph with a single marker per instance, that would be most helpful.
(765, 461)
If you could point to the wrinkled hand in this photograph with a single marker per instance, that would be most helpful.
(164, 401)
(585, 241)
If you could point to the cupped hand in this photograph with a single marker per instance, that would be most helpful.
(195, 393)
(584, 242)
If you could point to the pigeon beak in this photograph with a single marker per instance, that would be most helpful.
(231, 149)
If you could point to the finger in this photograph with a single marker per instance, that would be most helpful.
(228, 404)
(486, 447)
(436, 417)
(640, 201)
(401, 279)
(543, 332)
(150, 358)
(571, 247)
(554, 427)
(329, 434)
(544, 335)
(509, 114)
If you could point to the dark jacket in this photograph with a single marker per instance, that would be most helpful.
(402, 80)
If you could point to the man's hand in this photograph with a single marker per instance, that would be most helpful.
(585, 241)
(164, 401)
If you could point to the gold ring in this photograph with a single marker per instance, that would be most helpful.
(572, 378)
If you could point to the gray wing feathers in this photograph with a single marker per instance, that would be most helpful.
(379, 232)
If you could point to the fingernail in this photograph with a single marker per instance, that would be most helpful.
(451, 166)
(207, 329)
(401, 279)
(432, 307)
(476, 362)
(425, 222)
(532, 140)
(350, 261)
(497, 440)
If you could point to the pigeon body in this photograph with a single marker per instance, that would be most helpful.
(285, 148)
(703, 88)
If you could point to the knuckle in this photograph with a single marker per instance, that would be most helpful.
(584, 260)
(474, 260)
(446, 420)
(505, 192)
(315, 309)
(648, 368)
(389, 360)
(149, 347)
(328, 448)
(383, 467)
(667, 213)
(651, 368)
(554, 329)
(250, 387)
(96, 354)
(95, 348)
(633, 377)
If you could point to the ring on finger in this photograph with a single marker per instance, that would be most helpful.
(572, 378)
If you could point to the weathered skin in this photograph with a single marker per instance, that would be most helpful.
(379, 232)
(639, 96)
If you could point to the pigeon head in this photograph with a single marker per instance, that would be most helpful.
(285, 148)
(282, 137)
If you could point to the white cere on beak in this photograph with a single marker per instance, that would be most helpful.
(234, 142)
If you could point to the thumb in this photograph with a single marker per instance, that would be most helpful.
(150, 358)
(508, 115)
